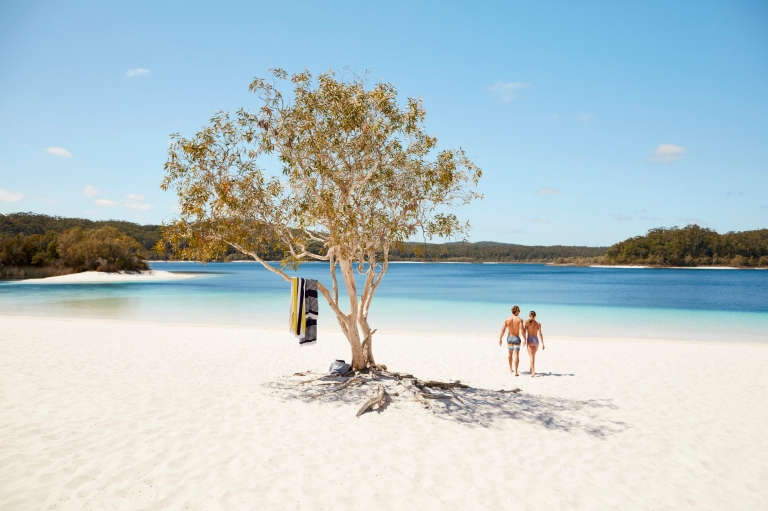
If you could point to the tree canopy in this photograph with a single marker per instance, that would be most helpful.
(74, 250)
(359, 174)
(692, 246)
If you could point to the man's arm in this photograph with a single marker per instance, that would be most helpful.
(523, 336)
(503, 329)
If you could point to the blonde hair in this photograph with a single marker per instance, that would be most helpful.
(531, 318)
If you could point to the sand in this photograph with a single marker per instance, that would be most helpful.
(91, 277)
(116, 415)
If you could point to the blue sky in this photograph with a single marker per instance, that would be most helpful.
(592, 121)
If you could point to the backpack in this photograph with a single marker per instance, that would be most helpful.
(339, 367)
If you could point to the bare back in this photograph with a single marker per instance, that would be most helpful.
(533, 328)
(513, 325)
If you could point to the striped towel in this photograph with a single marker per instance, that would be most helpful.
(302, 317)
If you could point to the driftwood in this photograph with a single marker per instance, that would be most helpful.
(443, 385)
(377, 400)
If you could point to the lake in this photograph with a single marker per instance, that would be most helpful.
(438, 299)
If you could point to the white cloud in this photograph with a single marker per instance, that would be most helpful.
(546, 191)
(620, 217)
(585, 117)
(58, 151)
(90, 191)
(136, 202)
(540, 220)
(507, 91)
(9, 196)
(689, 221)
(667, 152)
(139, 71)
(139, 206)
(105, 203)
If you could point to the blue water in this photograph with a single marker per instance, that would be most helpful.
(438, 298)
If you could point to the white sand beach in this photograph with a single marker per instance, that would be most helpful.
(128, 415)
(96, 277)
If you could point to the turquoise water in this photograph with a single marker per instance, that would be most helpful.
(438, 298)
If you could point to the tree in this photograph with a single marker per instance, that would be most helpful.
(104, 249)
(360, 175)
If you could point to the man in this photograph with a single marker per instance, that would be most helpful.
(515, 338)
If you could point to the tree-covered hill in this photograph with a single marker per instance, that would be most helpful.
(34, 223)
(488, 251)
(148, 236)
(688, 246)
(692, 246)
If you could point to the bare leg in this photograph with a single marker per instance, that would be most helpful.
(532, 353)
(509, 358)
(516, 357)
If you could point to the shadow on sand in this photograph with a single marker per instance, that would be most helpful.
(470, 406)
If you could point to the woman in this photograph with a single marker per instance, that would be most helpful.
(534, 334)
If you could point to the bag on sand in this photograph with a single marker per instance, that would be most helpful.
(339, 367)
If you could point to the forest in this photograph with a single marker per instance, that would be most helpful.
(33, 240)
(71, 251)
(692, 246)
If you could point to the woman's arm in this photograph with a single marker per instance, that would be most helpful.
(541, 334)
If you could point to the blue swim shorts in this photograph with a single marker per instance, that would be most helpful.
(513, 343)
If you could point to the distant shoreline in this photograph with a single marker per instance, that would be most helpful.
(615, 266)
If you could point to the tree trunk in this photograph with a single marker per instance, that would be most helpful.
(358, 355)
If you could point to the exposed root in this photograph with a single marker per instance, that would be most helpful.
(377, 400)
(422, 391)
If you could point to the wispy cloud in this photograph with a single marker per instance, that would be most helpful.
(507, 91)
(136, 202)
(90, 191)
(586, 117)
(641, 211)
(689, 221)
(546, 191)
(667, 152)
(621, 217)
(58, 151)
(132, 201)
(139, 71)
(9, 196)
(540, 220)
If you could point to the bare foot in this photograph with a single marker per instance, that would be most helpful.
(533, 375)
(517, 374)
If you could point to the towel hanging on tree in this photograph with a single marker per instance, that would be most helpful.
(303, 310)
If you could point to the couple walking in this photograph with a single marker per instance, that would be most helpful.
(521, 334)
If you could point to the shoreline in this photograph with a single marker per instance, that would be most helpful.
(388, 333)
(97, 277)
(544, 263)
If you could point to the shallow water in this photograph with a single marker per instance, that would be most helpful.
(439, 299)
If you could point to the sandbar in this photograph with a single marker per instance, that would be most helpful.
(96, 277)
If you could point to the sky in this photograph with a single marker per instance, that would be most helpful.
(592, 121)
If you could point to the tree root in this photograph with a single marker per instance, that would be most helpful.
(422, 391)
(377, 400)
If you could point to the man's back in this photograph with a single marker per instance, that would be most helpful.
(514, 324)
